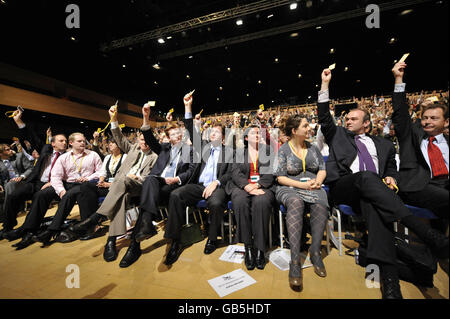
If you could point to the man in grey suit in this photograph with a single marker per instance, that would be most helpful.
(127, 184)
(13, 170)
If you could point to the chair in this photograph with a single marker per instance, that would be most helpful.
(419, 212)
(282, 211)
(202, 204)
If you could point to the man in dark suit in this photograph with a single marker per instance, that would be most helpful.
(423, 165)
(211, 174)
(36, 186)
(361, 173)
(14, 168)
(173, 168)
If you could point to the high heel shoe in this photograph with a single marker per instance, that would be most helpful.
(319, 267)
(295, 275)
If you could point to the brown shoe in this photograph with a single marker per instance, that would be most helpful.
(319, 267)
(295, 276)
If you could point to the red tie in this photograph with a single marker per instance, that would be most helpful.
(436, 159)
(51, 167)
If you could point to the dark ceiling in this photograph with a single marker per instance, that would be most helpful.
(33, 36)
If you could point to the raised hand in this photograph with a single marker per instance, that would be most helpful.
(169, 117)
(188, 99)
(113, 113)
(146, 110)
(398, 71)
(326, 76)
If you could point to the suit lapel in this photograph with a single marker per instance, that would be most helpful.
(381, 153)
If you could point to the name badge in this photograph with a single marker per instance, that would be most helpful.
(254, 178)
(111, 179)
(305, 179)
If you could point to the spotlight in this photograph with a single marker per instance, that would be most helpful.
(239, 22)
(161, 40)
(293, 6)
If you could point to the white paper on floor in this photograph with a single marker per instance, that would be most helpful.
(231, 282)
(281, 258)
(233, 254)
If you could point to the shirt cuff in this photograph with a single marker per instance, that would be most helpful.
(188, 115)
(114, 125)
(324, 96)
(179, 180)
(145, 127)
(21, 125)
(399, 88)
(218, 182)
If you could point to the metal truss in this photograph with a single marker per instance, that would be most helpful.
(289, 28)
(196, 22)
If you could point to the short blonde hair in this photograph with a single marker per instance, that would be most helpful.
(72, 136)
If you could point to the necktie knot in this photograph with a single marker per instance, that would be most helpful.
(432, 139)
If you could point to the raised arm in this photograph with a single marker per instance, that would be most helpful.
(147, 130)
(27, 133)
(400, 117)
(323, 108)
(121, 140)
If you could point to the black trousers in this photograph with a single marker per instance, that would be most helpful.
(253, 216)
(14, 201)
(40, 203)
(68, 201)
(189, 195)
(433, 197)
(154, 192)
(366, 193)
(88, 198)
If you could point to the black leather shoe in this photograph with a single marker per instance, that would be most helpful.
(438, 243)
(174, 253)
(26, 241)
(390, 288)
(110, 253)
(3, 232)
(66, 236)
(14, 234)
(82, 227)
(210, 246)
(45, 237)
(249, 258)
(260, 259)
(146, 231)
(132, 255)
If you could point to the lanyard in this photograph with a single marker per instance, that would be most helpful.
(76, 165)
(255, 162)
(303, 157)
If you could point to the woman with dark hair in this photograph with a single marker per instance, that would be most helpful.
(252, 197)
(300, 172)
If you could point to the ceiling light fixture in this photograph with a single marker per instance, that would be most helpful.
(270, 16)
(161, 40)
(239, 22)
(293, 6)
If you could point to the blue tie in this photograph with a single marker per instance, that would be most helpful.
(208, 175)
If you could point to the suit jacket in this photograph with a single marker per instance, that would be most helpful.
(343, 150)
(185, 166)
(133, 151)
(28, 133)
(21, 164)
(224, 163)
(415, 173)
(240, 172)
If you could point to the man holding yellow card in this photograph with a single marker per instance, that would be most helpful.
(424, 153)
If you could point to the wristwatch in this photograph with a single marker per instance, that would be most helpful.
(257, 185)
